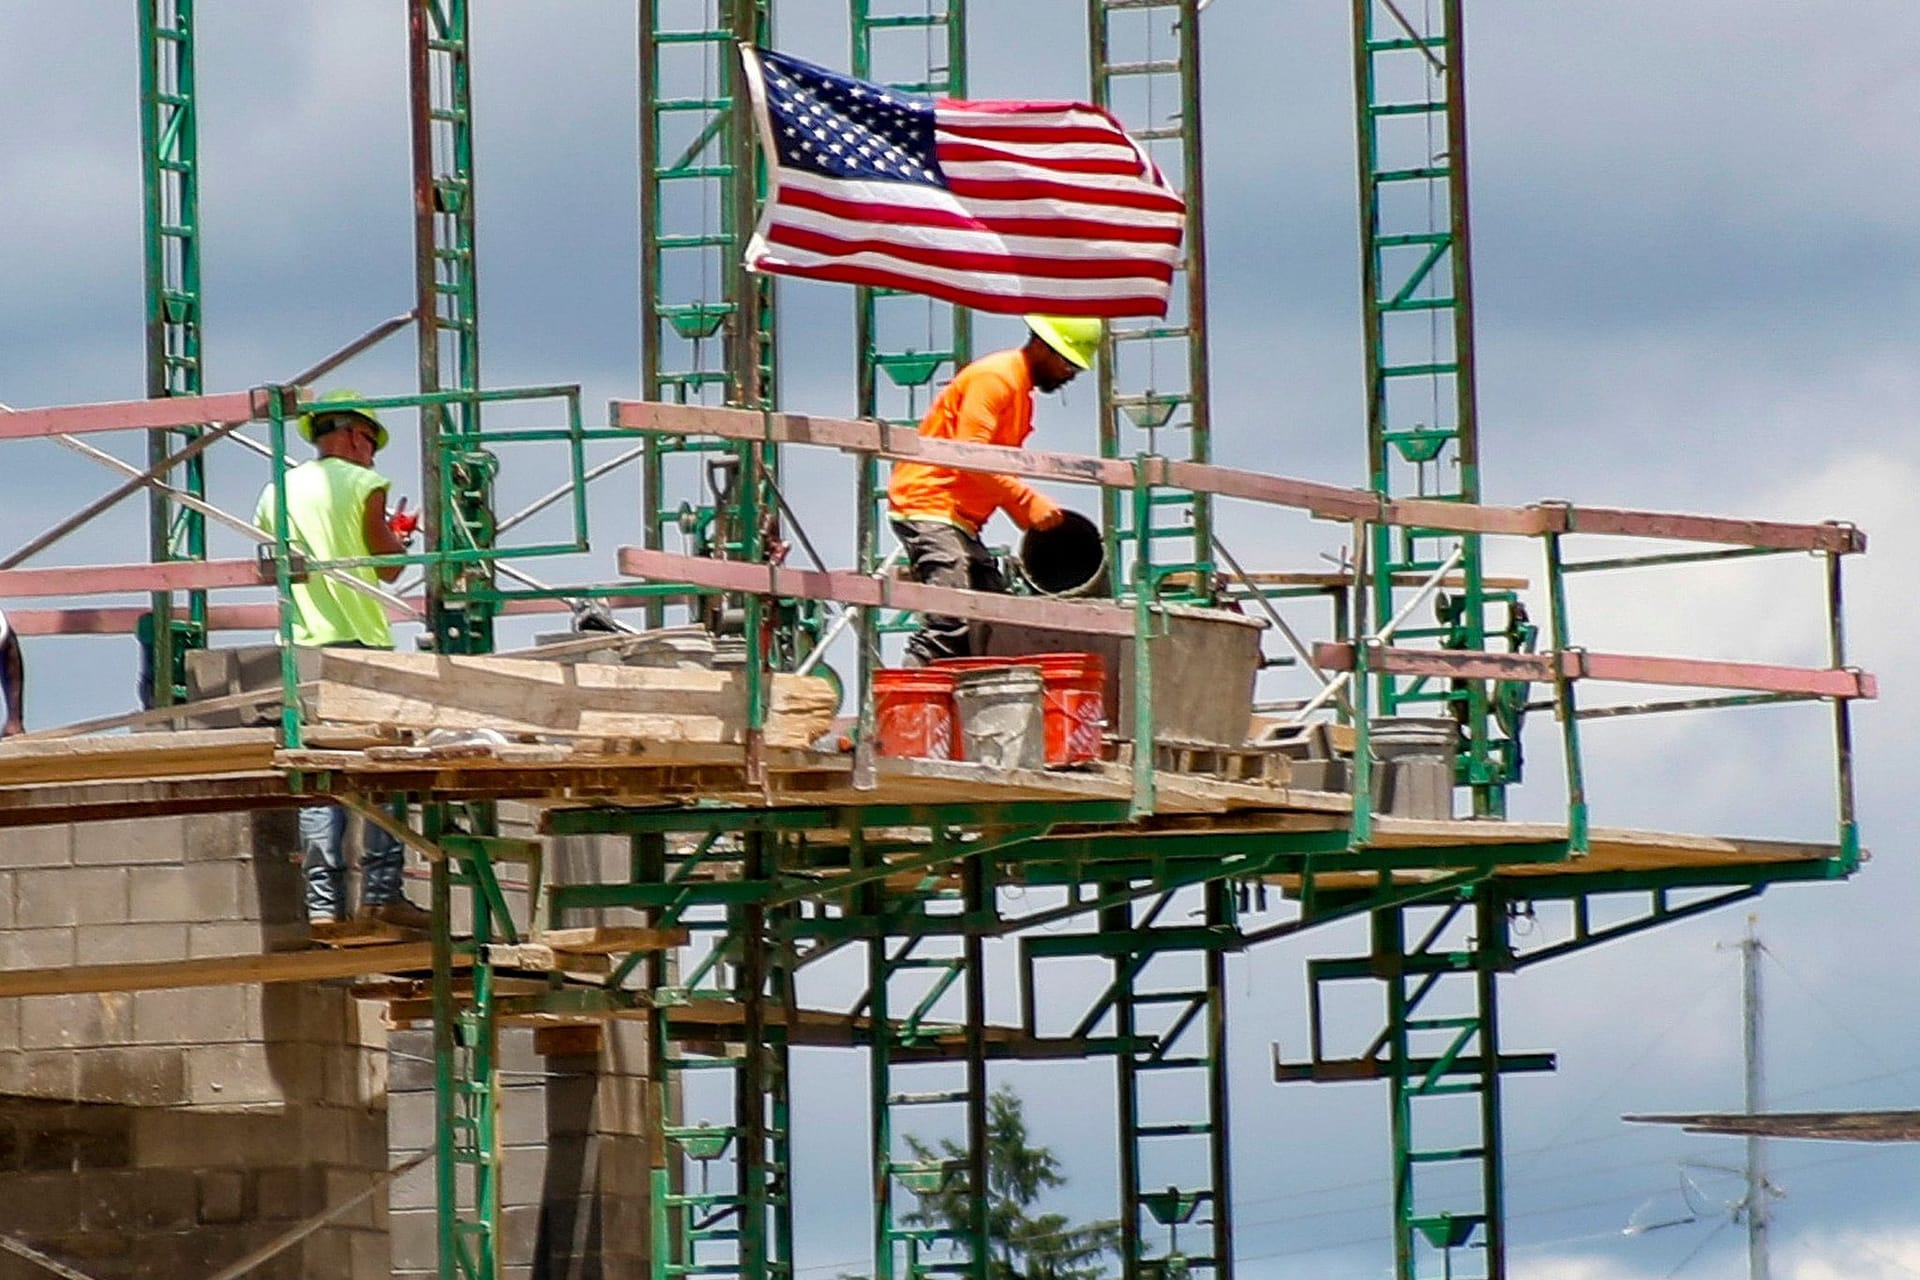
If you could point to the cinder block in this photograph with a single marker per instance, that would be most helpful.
(369, 1025)
(524, 1176)
(143, 841)
(67, 1139)
(410, 1121)
(219, 891)
(344, 1184)
(406, 1072)
(415, 1244)
(217, 837)
(625, 1165)
(199, 1139)
(223, 1196)
(368, 1251)
(193, 1015)
(235, 1075)
(622, 1106)
(36, 846)
(6, 900)
(36, 948)
(517, 1052)
(347, 1074)
(161, 893)
(227, 938)
(66, 1022)
(166, 1199)
(519, 1234)
(323, 1139)
(524, 1118)
(285, 1194)
(130, 943)
(325, 1253)
(273, 890)
(143, 1077)
(28, 1074)
(54, 896)
(274, 833)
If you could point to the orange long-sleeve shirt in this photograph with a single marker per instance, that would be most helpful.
(988, 402)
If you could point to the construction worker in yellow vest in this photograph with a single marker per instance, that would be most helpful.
(337, 510)
(938, 512)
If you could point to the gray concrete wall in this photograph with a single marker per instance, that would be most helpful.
(165, 1133)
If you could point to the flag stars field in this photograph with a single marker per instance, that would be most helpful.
(1002, 206)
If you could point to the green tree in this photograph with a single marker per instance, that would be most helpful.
(1021, 1244)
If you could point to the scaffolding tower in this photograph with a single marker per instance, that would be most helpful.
(762, 865)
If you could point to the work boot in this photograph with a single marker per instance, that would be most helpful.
(400, 913)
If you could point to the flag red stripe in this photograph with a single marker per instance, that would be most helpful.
(1026, 264)
(921, 196)
(1065, 228)
(1064, 133)
(967, 152)
(1011, 304)
(1037, 188)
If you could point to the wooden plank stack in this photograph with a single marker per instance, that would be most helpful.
(518, 696)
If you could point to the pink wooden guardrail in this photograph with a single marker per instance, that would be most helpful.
(1327, 501)
(1579, 664)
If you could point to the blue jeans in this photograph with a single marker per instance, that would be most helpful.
(323, 828)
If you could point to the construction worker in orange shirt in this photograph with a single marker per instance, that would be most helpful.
(938, 512)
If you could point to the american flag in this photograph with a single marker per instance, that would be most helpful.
(1001, 206)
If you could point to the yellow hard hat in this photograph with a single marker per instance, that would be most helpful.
(1075, 337)
(319, 410)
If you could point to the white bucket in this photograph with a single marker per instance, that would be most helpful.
(1002, 715)
(1414, 776)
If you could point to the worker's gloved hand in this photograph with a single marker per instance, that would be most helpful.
(404, 523)
(1043, 513)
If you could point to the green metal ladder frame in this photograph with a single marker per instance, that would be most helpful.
(1417, 296)
(170, 187)
(928, 985)
(1153, 47)
(884, 41)
(693, 286)
(744, 1228)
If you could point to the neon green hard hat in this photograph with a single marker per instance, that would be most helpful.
(1075, 337)
(318, 410)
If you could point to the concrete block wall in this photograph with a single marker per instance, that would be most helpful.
(572, 1121)
(168, 1132)
(574, 1202)
(149, 1133)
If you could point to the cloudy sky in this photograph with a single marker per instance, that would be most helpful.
(1697, 277)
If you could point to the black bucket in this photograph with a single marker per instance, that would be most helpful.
(1069, 559)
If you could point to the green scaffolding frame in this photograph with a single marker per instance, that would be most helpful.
(1144, 56)
(924, 1003)
(170, 187)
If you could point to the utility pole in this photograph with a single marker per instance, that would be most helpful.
(1757, 1188)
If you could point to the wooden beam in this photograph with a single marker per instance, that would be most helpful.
(220, 971)
(607, 940)
(133, 415)
(1333, 502)
(531, 695)
(850, 587)
(191, 752)
(1580, 664)
(109, 579)
(125, 620)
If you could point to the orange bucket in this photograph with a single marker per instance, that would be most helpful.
(913, 712)
(1076, 705)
